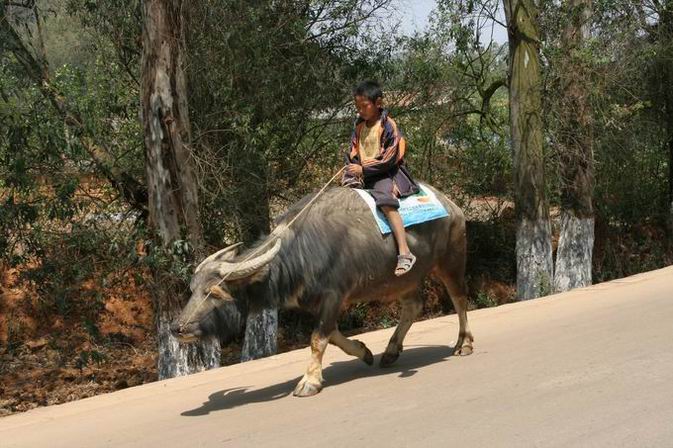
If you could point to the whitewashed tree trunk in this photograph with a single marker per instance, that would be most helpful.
(260, 335)
(533, 243)
(533, 259)
(171, 182)
(178, 360)
(576, 240)
(261, 329)
(574, 254)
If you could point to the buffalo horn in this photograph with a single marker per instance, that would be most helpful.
(235, 271)
(212, 257)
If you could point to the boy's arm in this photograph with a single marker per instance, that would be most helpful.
(394, 146)
(349, 179)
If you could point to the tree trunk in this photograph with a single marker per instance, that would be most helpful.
(575, 252)
(260, 335)
(177, 359)
(261, 329)
(576, 240)
(173, 199)
(533, 242)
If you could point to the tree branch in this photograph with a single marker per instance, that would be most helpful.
(489, 92)
(131, 189)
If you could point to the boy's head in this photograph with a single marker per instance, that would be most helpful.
(368, 98)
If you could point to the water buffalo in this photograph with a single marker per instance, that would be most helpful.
(332, 255)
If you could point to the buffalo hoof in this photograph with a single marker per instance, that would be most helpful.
(306, 389)
(368, 358)
(463, 351)
(388, 359)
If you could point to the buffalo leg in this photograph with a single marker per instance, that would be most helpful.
(311, 383)
(411, 308)
(455, 285)
(351, 347)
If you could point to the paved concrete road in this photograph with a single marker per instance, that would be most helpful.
(590, 368)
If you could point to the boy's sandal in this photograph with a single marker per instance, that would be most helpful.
(404, 264)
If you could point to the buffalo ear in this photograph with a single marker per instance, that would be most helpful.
(218, 292)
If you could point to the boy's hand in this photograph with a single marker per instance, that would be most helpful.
(354, 169)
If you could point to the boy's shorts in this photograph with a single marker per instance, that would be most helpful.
(383, 192)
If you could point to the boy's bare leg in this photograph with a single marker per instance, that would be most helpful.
(405, 259)
(395, 221)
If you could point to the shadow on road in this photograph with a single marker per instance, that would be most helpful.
(410, 360)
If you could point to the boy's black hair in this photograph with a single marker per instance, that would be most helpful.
(369, 89)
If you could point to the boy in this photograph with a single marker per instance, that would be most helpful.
(375, 161)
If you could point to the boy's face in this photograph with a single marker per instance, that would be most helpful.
(367, 109)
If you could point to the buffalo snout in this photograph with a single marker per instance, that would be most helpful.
(175, 328)
(185, 332)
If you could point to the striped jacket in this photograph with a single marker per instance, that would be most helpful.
(390, 160)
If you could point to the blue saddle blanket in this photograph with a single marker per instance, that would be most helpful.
(415, 209)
